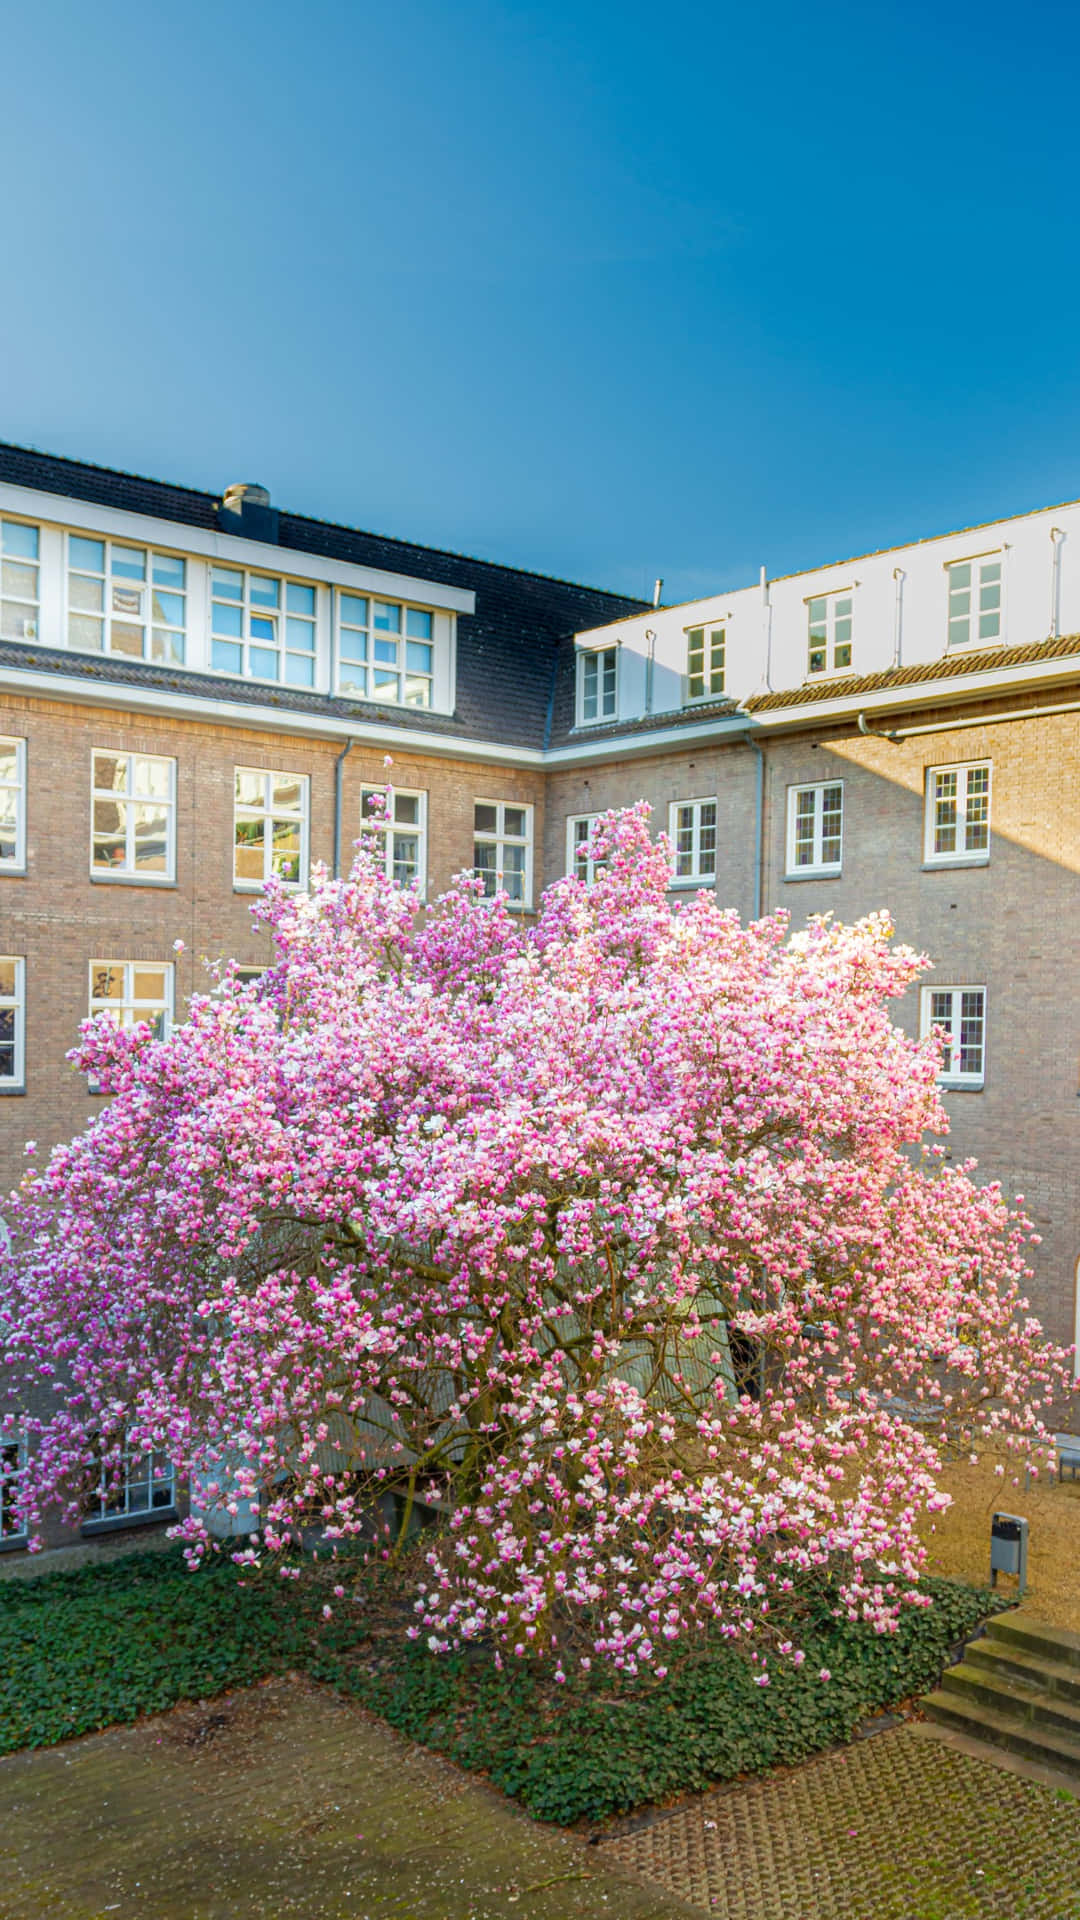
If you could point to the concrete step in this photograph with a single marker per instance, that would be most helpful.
(1035, 1636)
(1044, 1745)
(1002, 1695)
(1026, 1669)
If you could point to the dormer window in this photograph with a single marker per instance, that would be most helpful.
(127, 600)
(598, 671)
(385, 651)
(263, 628)
(830, 624)
(974, 599)
(705, 649)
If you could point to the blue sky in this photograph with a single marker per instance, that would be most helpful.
(606, 290)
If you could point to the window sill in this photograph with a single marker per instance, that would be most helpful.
(961, 1086)
(130, 880)
(974, 646)
(122, 1522)
(12, 1092)
(827, 674)
(949, 865)
(259, 886)
(15, 1543)
(814, 873)
(12, 873)
(685, 882)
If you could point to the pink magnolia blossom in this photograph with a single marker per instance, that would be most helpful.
(623, 1234)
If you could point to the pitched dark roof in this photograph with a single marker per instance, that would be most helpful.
(506, 649)
(949, 668)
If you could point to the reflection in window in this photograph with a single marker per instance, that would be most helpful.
(12, 1019)
(402, 827)
(385, 650)
(126, 600)
(262, 628)
(134, 803)
(502, 850)
(18, 580)
(270, 828)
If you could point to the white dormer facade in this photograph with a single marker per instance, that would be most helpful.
(1007, 584)
(92, 580)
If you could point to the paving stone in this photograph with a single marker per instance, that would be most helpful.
(893, 1828)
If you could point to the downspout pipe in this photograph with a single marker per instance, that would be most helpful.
(759, 819)
(339, 786)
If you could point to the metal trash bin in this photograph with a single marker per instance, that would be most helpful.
(1009, 1548)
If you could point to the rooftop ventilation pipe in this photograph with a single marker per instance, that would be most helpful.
(245, 509)
(658, 588)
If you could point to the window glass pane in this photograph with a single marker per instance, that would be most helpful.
(19, 540)
(84, 633)
(88, 555)
(354, 610)
(285, 791)
(299, 670)
(299, 599)
(353, 679)
(250, 787)
(264, 664)
(417, 657)
(87, 595)
(417, 691)
(167, 647)
(417, 623)
(8, 970)
(407, 809)
(387, 617)
(485, 818)
(168, 609)
(107, 983)
(300, 635)
(9, 760)
(227, 585)
(384, 685)
(169, 571)
(129, 562)
(124, 638)
(515, 821)
(264, 592)
(228, 620)
(17, 623)
(111, 771)
(960, 574)
(19, 580)
(148, 983)
(151, 838)
(227, 656)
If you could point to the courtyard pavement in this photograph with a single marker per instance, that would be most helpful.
(284, 1800)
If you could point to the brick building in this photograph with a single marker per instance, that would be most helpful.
(195, 691)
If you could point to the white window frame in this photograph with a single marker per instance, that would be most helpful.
(580, 828)
(605, 697)
(358, 639)
(130, 874)
(268, 812)
(279, 614)
(15, 1002)
(962, 855)
(113, 584)
(20, 606)
(103, 1515)
(976, 611)
(500, 840)
(818, 867)
(16, 863)
(11, 1536)
(710, 642)
(829, 644)
(698, 872)
(391, 829)
(130, 1009)
(950, 1077)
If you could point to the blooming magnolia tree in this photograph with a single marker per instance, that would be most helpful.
(615, 1234)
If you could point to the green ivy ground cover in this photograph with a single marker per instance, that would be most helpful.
(84, 1650)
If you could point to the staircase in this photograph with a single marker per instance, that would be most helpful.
(1018, 1687)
